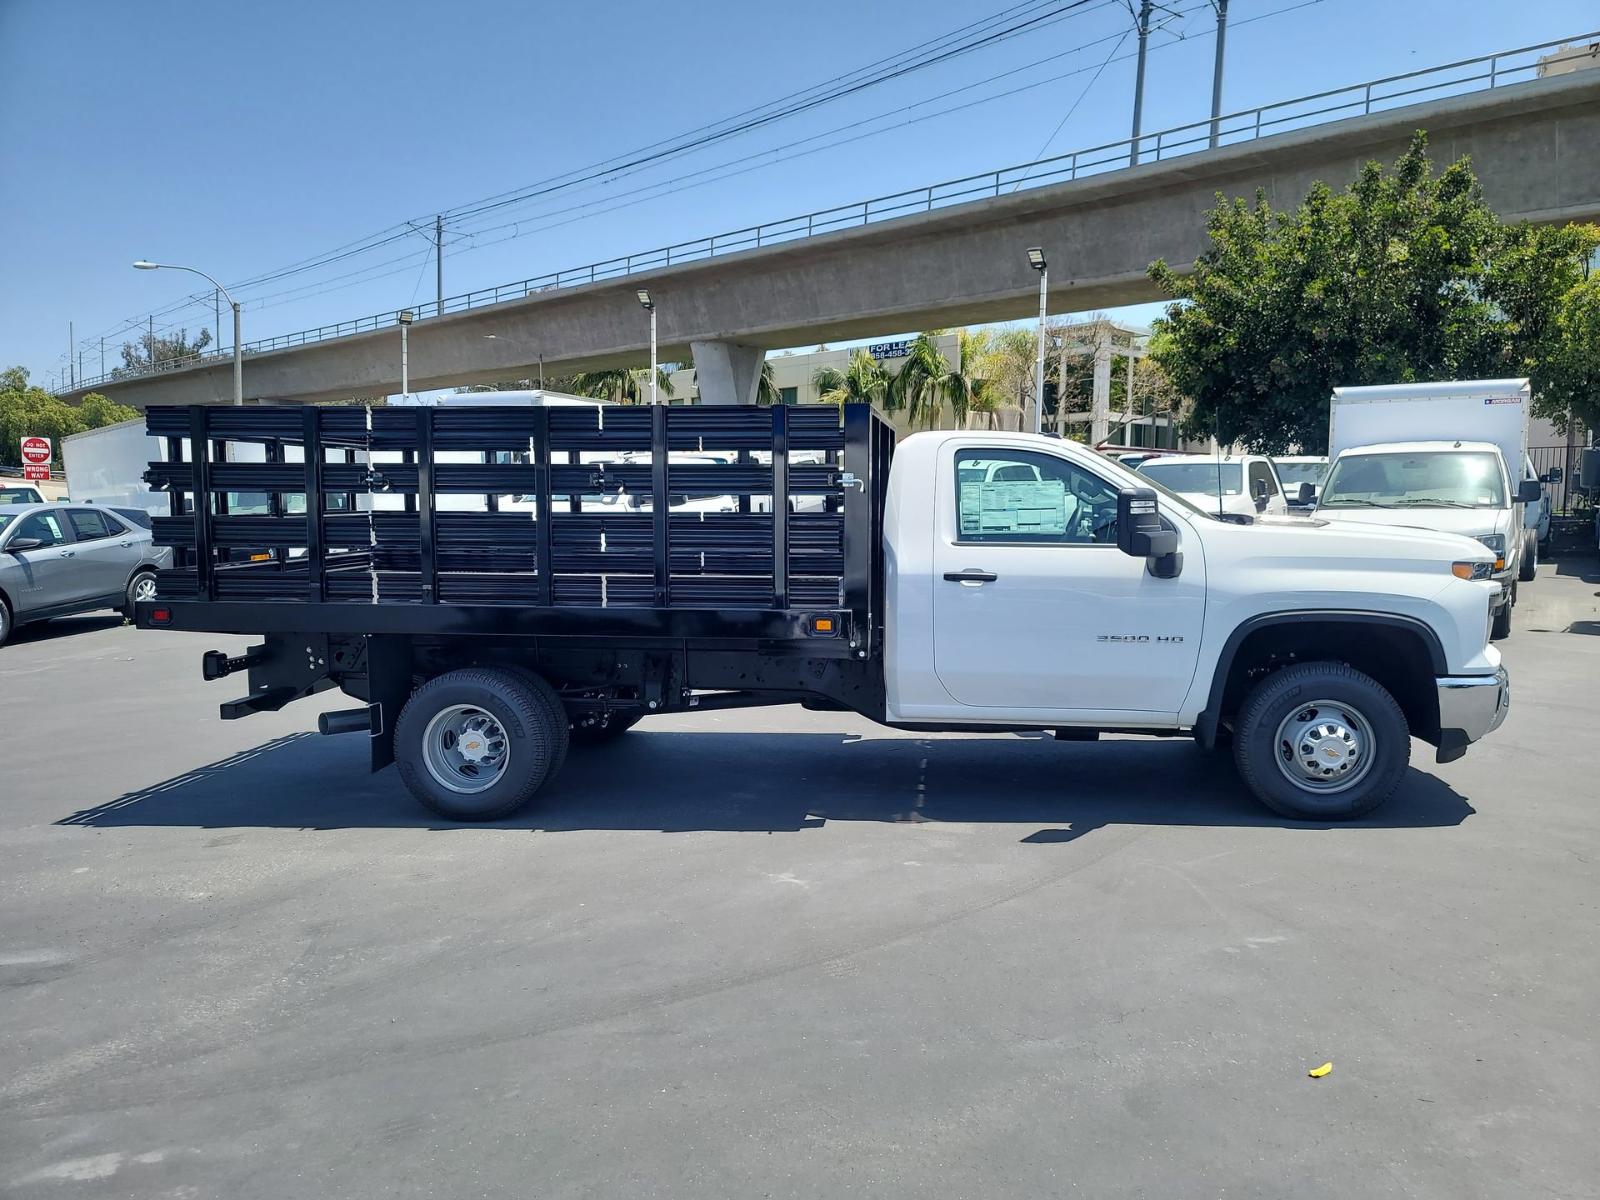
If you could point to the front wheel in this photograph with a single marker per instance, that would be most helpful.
(476, 744)
(1529, 567)
(1500, 626)
(5, 621)
(1321, 742)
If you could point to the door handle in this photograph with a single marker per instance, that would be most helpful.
(971, 575)
(68, 553)
(125, 545)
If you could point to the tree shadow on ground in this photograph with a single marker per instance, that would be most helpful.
(764, 782)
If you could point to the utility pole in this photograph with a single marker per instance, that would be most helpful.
(102, 358)
(150, 346)
(1138, 83)
(217, 301)
(438, 263)
(1216, 74)
(72, 346)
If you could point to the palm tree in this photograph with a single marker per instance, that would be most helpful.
(925, 382)
(864, 381)
(621, 386)
(767, 392)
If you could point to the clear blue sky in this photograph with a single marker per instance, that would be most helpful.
(246, 138)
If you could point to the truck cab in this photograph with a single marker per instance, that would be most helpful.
(1454, 487)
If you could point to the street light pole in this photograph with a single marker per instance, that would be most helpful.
(1037, 262)
(1138, 82)
(238, 349)
(1216, 74)
(650, 307)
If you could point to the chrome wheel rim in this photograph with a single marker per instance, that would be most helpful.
(1325, 746)
(465, 749)
(144, 588)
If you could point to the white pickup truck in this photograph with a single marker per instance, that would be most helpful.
(972, 581)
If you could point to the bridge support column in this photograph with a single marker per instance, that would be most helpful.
(1100, 398)
(727, 372)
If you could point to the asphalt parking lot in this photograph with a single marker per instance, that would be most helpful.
(773, 953)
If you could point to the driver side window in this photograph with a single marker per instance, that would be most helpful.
(1032, 498)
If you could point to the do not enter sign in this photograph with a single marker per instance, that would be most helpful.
(36, 455)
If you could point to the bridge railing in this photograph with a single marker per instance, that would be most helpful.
(1320, 108)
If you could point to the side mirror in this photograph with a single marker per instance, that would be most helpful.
(19, 544)
(1529, 492)
(1308, 494)
(1140, 533)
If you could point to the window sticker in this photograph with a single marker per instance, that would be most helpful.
(1026, 507)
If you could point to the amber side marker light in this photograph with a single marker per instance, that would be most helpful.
(823, 626)
(1473, 570)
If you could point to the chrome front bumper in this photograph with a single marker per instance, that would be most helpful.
(1470, 706)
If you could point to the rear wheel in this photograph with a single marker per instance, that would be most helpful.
(1529, 566)
(1321, 742)
(475, 745)
(5, 621)
(141, 587)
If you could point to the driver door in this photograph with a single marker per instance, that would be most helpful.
(46, 576)
(1037, 614)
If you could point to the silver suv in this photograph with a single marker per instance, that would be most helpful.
(60, 559)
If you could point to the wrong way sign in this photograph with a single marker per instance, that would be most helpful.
(36, 455)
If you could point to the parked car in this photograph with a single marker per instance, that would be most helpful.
(60, 559)
(1232, 489)
(1299, 472)
(11, 493)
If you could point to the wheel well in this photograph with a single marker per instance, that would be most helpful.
(145, 566)
(1398, 657)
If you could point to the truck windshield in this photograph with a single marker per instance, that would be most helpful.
(1198, 476)
(1433, 479)
(1293, 474)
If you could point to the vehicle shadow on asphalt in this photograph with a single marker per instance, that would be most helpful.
(60, 627)
(765, 782)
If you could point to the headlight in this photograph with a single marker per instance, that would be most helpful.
(1472, 570)
(1497, 543)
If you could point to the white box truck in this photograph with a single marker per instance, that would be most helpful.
(1444, 456)
(107, 466)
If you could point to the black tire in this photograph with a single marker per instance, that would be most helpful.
(1355, 700)
(514, 704)
(606, 727)
(5, 621)
(1529, 566)
(1500, 627)
(550, 699)
(143, 574)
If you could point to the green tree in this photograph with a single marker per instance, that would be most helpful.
(863, 381)
(924, 383)
(1406, 276)
(619, 385)
(153, 349)
(1568, 374)
(27, 411)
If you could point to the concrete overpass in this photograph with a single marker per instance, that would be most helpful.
(1535, 147)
